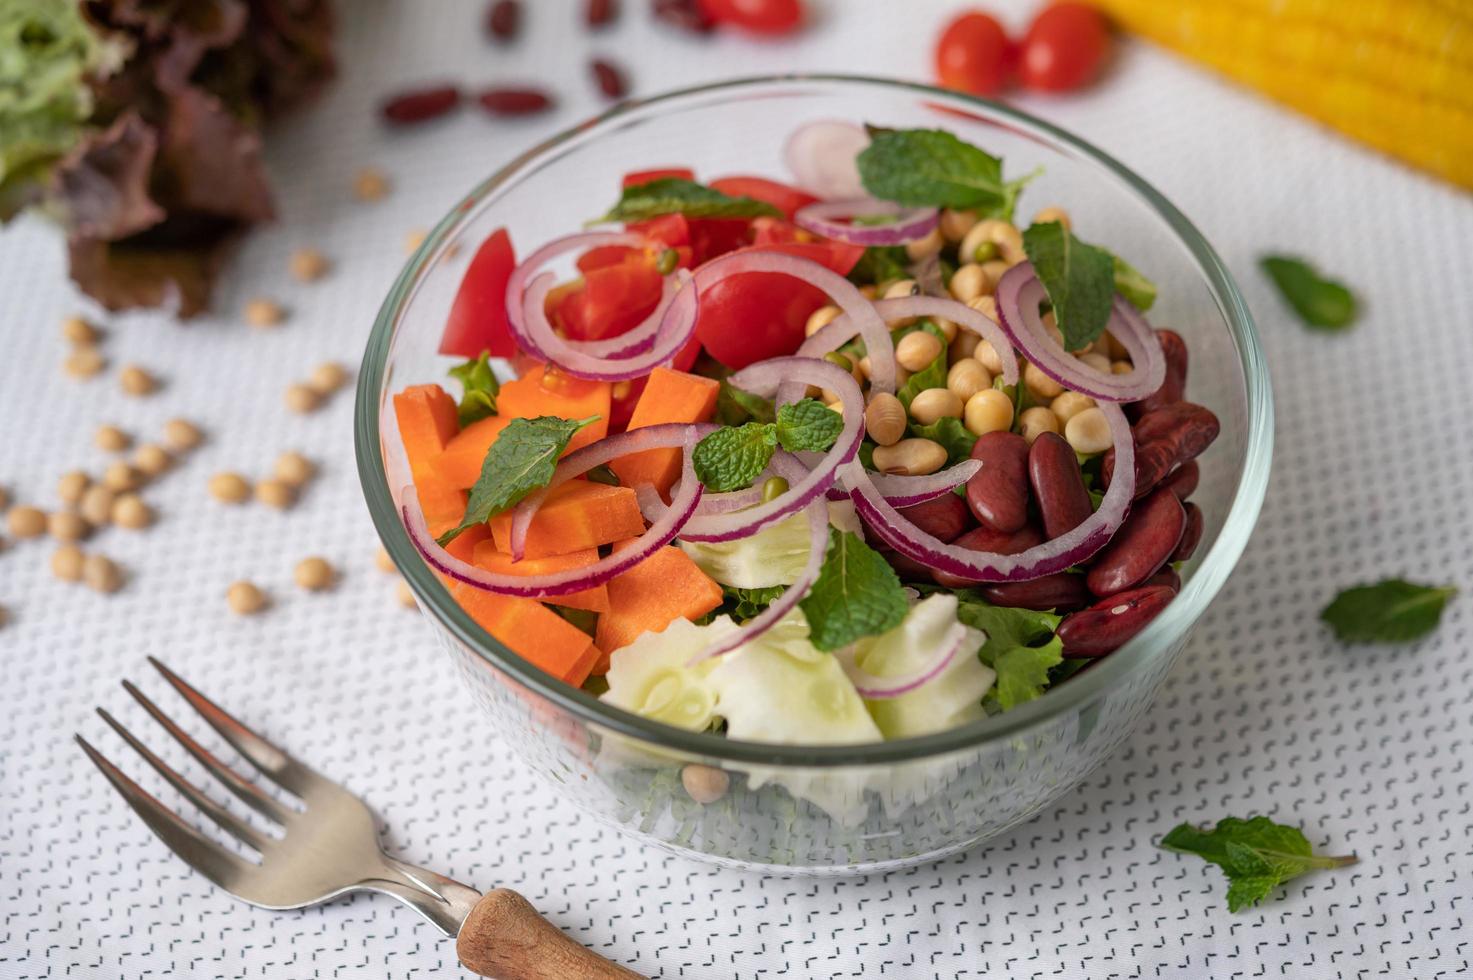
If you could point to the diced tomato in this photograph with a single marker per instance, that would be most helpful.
(756, 315)
(671, 230)
(781, 196)
(607, 255)
(775, 231)
(477, 320)
(637, 177)
(612, 300)
(710, 237)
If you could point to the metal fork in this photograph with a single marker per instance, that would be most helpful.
(330, 848)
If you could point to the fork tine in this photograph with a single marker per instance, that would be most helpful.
(198, 851)
(223, 818)
(269, 759)
(248, 792)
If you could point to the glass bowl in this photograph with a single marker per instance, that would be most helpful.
(834, 809)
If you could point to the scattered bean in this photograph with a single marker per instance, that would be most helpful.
(84, 362)
(1035, 421)
(182, 435)
(504, 19)
(71, 486)
(1174, 387)
(383, 561)
(685, 14)
(967, 377)
(276, 494)
(294, 469)
(1063, 591)
(405, 595)
(1141, 546)
(1058, 485)
(111, 439)
(101, 574)
(406, 108)
(413, 239)
(884, 418)
(989, 410)
(1053, 213)
(1103, 627)
(67, 527)
(244, 598)
(514, 101)
(120, 477)
(137, 381)
(945, 517)
(371, 184)
(917, 349)
(66, 563)
(78, 332)
(600, 13)
(997, 494)
(229, 488)
(910, 457)
(97, 504)
(131, 512)
(1070, 404)
(328, 377)
(703, 783)
(933, 404)
(609, 78)
(308, 265)
(955, 223)
(1191, 536)
(302, 398)
(1182, 481)
(314, 574)
(263, 312)
(1039, 384)
(152, 459)
(1088, 432)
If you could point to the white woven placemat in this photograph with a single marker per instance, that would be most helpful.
(1366, 748)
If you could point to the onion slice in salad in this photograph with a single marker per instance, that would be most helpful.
(1054, 555)
(659, 534)
(873, 687)
(1018, 294)
(831, 220)
(907, 491)
(821, 157)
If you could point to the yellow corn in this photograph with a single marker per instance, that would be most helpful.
(1397, 74)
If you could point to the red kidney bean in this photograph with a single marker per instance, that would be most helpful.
(685, 14)
(418, 105)
(998, 492)
(504, 19)
(1142, 544)
(600, 13)
(1058, 484)
(610, 79)
(906, 567)
(1165, 438)
(514, 101)
(1191, 535)
(1103, 627)
(945, 517)
(986, 539)
(1183, 480)
(1174, 386)
(1167, 576)
(1061, 590)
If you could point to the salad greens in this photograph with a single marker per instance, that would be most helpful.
(1392, 611)
(1320, 302)
(479, 389)
(774, 556)
(1139, 291)
(676, 195)
(932, 168)
(1257, 855)
(857, 594)
(1021, 647)
(933, 375)
(1079, 279)
(733, 456)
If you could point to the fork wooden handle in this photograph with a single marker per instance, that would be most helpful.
(506, 939)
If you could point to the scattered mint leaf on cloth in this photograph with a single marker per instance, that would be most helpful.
(522, 459)
(1393, 611)
(675, 195)
(1322, 303)
(1139, 291)
(808, 426)
(732, 457)
(1021, 647)
(1079, 280)
(1257, 855)
(857, 594)
(951, 434)
(479, 389)
(932, 168)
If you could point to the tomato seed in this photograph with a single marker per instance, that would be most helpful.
(514, 101)
(419, 105)
(610, 79)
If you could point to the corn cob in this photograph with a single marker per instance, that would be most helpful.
(1397, 74)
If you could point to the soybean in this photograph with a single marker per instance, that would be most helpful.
(910, 457)
(933, 404)
(884, 418)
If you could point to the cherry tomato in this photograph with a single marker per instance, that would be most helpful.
(756, 315)
(757, 16)
(786, 199)
(637, 177)
(1064, 47)
(974, 55)
(477, 320)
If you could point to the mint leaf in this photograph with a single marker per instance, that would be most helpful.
(1257, 855)
(735, 406)
(857, 594)
(932, 168)
(880, 263)
(1023, 673)
(933, 375)
(1392, 611)
(479, 389)
(731, 458)
(808, 426)
(1319, 302)
(1021, 647)
(522, 459)
(1079, 279)
(952, 435)
(671, 195)
(1136, 288)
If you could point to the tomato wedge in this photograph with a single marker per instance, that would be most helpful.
(612, 299)
(637, 177)
(781, 196)
(477, 320)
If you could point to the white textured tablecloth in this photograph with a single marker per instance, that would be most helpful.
(1367, 748)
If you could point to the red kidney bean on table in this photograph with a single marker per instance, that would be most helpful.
(1183, 480)
(600, 13)
(986, 539)
(419, 105)
(1058, 484)
(684, 14)
(1191, 535)
(504, 19)
(1060, 591)
(514, 101)
(1174, 386)
(1105, 626)
(998, 492)
(609, 77)
(1142, 545)
(944, 517)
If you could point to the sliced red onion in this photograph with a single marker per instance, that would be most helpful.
(763, 379)
(860, 313)
(873, 687)
(818, 542)
(831, 219)
(1018, 294)
(659, 534)
(1055, 555)
(821, 157)
(516, 288)
(907, 491)
(668, 435)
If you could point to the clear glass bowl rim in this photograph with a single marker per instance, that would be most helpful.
(1153, 642)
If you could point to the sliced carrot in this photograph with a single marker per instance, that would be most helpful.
(427, 421)
(544, 391)
(531, 630)
(595, 599)
(577, 515)
(669, 396)
(459, 464)
(664, 587)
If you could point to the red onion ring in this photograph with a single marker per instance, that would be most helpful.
(907, 491)
(826, 218)
(659, 534)
(763, 379)
(821, 157)
(873, 687)
(867, 322)
(1055, 555)
(1018, 294)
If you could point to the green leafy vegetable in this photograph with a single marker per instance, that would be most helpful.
(857, 594)
(1140, 291)
(933, 375)
(731, 458)
(1021, 647)
(675, 195)
(808, 426)
(521, 460)
(1320, 302)
(1079, 279)
(1392, 611)
(479, 389)
(744, 604)
(932, 168)
(1257, 855)
(952, 435)
(735, 406)
(880, 263)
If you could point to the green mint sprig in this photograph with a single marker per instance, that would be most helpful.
(675, 195)
(479, 389)
(857, 594)
(1393, 611)
(732, 457)
(1320, 302)
(932, 168)
(1257, 855)
(1079, 280)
